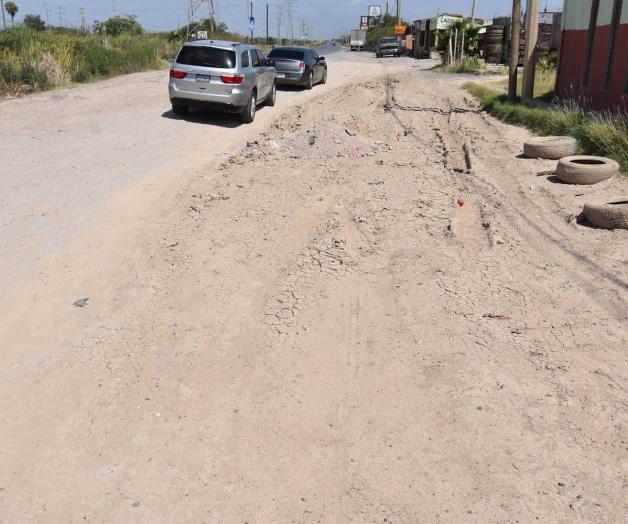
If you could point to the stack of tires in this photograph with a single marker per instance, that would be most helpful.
(493, 43)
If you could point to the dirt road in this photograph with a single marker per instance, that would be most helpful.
(311, 329)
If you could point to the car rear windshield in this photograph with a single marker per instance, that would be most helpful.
(207, 57)
(388, 41)
(287, 53)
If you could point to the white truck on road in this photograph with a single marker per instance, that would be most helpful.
(358, 39)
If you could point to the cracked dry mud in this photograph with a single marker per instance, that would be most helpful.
(310, 335)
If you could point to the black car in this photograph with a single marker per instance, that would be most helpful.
(299, 66)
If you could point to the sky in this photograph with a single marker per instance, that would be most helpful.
(324, 18)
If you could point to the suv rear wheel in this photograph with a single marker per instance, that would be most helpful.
(248, 114)
(309, 84)
(179, 109)
(272, 96)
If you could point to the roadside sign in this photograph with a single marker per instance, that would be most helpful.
(252, 23)
(202, 35)
(400, 29)
(375, 11)
(364, 22)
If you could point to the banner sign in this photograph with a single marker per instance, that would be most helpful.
(375, 11)
(364, 22)
(400, 29)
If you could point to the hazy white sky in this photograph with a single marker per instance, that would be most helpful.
(325, 17)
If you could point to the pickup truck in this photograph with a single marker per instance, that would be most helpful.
(387, 45)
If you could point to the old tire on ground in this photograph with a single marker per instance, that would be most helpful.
(552, 147)
(609, 215)
(585, 170)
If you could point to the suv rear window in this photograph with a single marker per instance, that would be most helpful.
(207, 57)
(388, 41)
(287, 53)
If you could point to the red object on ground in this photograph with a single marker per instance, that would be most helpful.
(460, 201)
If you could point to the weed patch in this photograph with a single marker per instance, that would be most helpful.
(602, 134)
(37, 60)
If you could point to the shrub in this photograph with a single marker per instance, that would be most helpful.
(466, 65)
(34, 22)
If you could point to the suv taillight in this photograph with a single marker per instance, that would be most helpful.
(174, 73)
(232, 79)
(302, 66)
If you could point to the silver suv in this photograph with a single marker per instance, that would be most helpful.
(228, 76)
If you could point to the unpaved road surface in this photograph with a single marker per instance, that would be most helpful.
(311, 329)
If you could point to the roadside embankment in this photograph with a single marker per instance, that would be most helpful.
(601, 134)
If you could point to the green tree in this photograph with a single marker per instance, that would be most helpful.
(34, 22)
(471, 38)
(12, 9)
(117, 25)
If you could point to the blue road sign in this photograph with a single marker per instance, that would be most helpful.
(252, 23)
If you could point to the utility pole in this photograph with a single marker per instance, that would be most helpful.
(473, 14)
(211, 16)
(279, 23)
(515, 33)
(47, 13)
(113, 7)
(83, 22)
(195, 20)
(250, 17)
(529, 60)
(398, 11)
(289, 5)
(4, 20)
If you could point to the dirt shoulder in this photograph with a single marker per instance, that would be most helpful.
(315, 330)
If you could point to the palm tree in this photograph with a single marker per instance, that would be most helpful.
(12, 9)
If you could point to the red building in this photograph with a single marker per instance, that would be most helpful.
(593, 66)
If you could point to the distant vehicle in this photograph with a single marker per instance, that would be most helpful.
(299, 66)
(387, 46)
(358, 39)
(227, 76)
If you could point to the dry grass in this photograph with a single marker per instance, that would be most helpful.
(469, 65)
(32, 60)
(602, 134)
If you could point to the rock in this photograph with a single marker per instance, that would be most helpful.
(81, 302)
